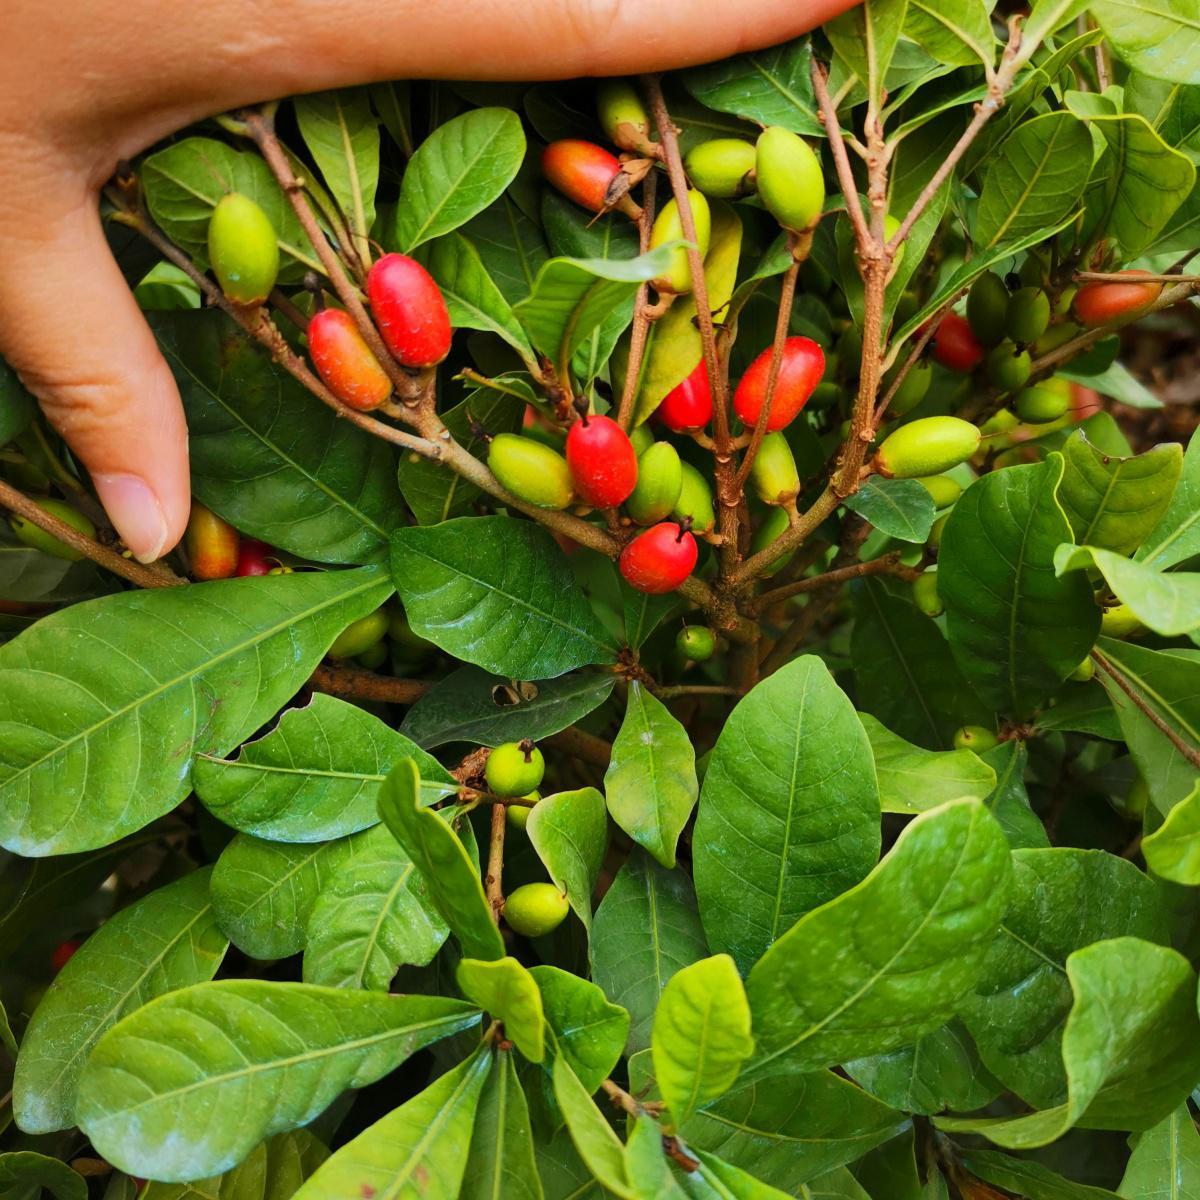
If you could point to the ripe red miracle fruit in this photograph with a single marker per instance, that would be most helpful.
(409, 310)
(689, 405)
(800, 371)
(660, 559)
(602, 461)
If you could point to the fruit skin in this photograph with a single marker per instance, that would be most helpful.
(925, 594)
(642, 439)
(243, 249)
(581, 170)
(697, 643)
(695, 500)
(688, 405)
(773, 526)
(359, 636)
(409, 310)
(602, 461)
(975, 737)
(36, 538)
(660, 559)
(912, 390)
(62, 954)
(1008, 367)
(791, 183)
(344, 361)
(531, 470)
(535, 909)
(1119, 622)
(936, 530)
(987, 303)
(1103, 303)
(668, 227)
(722, 167)
(1001, 421)
(517, 815)
(622, 114)
(659, 482)
(955, 345)
(1085, 671)
(800, 370)
(212, 545)
(1057, 335)
(773, 472)
(1044, 401)
(944, 490)
(928, 446)
(254, 558)
(1027, 316)
(515, 769)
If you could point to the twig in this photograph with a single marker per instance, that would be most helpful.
(889, 564)
(700, 689)
(357, 683)
(1118, 277)
(495, 868)
(621, 1098)
(795, 535)
(641, 314)
(911, 361)
(1188, 751)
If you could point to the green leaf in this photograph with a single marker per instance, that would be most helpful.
(953, 31)
(715, 1179)
(165, 941)
(371, 916)
(569, 831)
(768, 87)
(865, 38)
(24, 1174)
(1114, 503)
(837, 1185)
(242, 1059)
(789, 810)
(1167, 601)
(1160, 40)
(17, 405)
(1009, 803)
(1130, 1048)
(1116, 381)
(511, 246)
(1062, 900)
(913, 780)
(645, 930)
(1029, 1178)
(469, 705)
(461, 168)
(650, 784)
(585, 1028)
(342, 134)
(29, 576)
(498, 593)
(641, 613)
(1176, 537)
(597, 1144)
(508, 992)
(1165, 1164)
(1172, 851)
(105, 703)
(1035, 181)
(501, 1164)
(565, 1176)
(315, 776)
(923, 920)
(453, 881)
(419, 1151)
(274, 1170)
(901, 508)
(646, 1162)
(269, 457)
(1016, 629)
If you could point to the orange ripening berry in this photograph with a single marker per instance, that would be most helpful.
(1103, 303)
(800, 371)
(344, 361)
(581, 170)
(212, 545)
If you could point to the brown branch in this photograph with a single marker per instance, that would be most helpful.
(1139, 701)
(792, 537)
(889, 564)
(580, 744)
(621, 1098)
(493, 880)
(700, 689)
(902, 374)
(837, 145)
(128, 568)
(357, 683)
(641, 314)
(1120, 277)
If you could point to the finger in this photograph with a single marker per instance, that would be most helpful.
(74, 334)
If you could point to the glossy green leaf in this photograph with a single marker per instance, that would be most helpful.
(1166, 601)
(274, 1170)
(501, 1163)
(316, 775)
(789, 810)
(1028, 1178)
(646, 1163)
(461, 168)
(923, 921)
(569, 831)
(1009, 803)
(565, 1176)
(641, 613)
(31, 577)
(1161, 40)
(498, 593)
(452, 879)
(165, 941)
(865, 38)
(1165, 1163)
(511, 246)
(102, 705)
(585, 1027)
(24, 1174)
(17, 405)
(242, 1059)
(953, 31)
(507, 992)
(901, 508)
(715, 1179)
(1172, 851)
(1176, 537)
(594, 1139)
(837, 1185)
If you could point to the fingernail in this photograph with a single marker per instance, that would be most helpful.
(136, 512)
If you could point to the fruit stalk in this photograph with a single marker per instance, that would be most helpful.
(641, 311)
(493, 881)
(888, 564)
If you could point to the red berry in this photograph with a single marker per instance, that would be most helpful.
(660, 559)
(581, 170)
(800, 371)
(689, 405)
(1103, 303)
(602, 461)
(344, 361)
(62, 955)
(955, 345)
(254, 558)
(410, 310)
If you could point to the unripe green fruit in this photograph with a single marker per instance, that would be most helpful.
(622, 114)
(1002, 421)
(975, 737)
(535, 909)
(695, 500)
(515, 769)
(723, 167)
(925, 594)
(1085, 671)
(936, 530)
(641, 439)
(1045, 401)
(912, 390)
(891, 227)
(517, 815)
(944, 490)
(358, 637)
(1137, 798)
(773, 472)
(1027, 316)
(659, 482)
(825, 395)
(927, 447)
(374, 656)
(1055, 336)
(790, 181)
(36, 538)
(1008, 368)
(697, 643)
(987, 304)
(243, 249)
(773, 527)
(1119, 622)
(668, 227)
(1066, 298)
(531, 470)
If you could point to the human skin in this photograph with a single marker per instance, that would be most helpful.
(89, 83)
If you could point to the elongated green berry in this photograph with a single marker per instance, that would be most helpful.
(1043, 402)
(668, 227)
(773, 472)
(517, 815)
(913, 388)
(1085, 671)
(659, 482)
(975, 737)
(515, 768)
(531, 470)
(623, 116)
(696, 643)
(1008, 367)
(1027, 316)
(695, 500)
(722, 167)
(1120, 621)
(535, 909)
(358, 637)
(944, 490)
(790, 181)
(936, 530)
(29, 534)
(773, 526)
(925, 594)
(927, 447)
(987, 304)
(243, 249)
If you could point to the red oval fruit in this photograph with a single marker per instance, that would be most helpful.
(1103, 303)
(344, 361)
(212, 545)
(955, 345)
(602, 461)
(800, 371)
(688, 405)
(581, 170)
(410, 310)
(660, 559)
(63, 953)
(254, 558)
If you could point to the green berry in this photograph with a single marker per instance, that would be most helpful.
(697, 643)
(515, 768)
(659, 482)
(517, 815)
(722, 167)
(791, 183)
(987, 304)
(944, 490)
(243, 249)
(925, 594)
(358, 637)
(531, 470)
(642, 439)
(695, 500)
(1008, 367)
(36, 538)
(773, 526)
(1002, 421)
(773, 472)
(1045, 401)
(535, 909)
(668, 227)
(975, 737)
(912, 390)
(1119, 622)
(374, 656)
(1027, 316)
(825, 395)
(623, 116)
(936, 531)
(928, 446)
(1085, 671)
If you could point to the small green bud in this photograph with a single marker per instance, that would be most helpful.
(925, 594)
(1057, 335)
(695, 500)
(36, 538)
(243, 249)
(515, 768)
(791, 183)
(697, 643)
(1001, 421)
(1027, 316)
(530, 470)
(374, 656)
(659, 482)
(928, 446)
(668, 227)
(936, 530)
(975, 737)
(359, 636)
(1084, 672)
(622, 114)
(944, 490)
(1119, 622)
(773, 472)
(825, 395)
(723, 167)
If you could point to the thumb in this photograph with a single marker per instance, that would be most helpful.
(74, 334)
